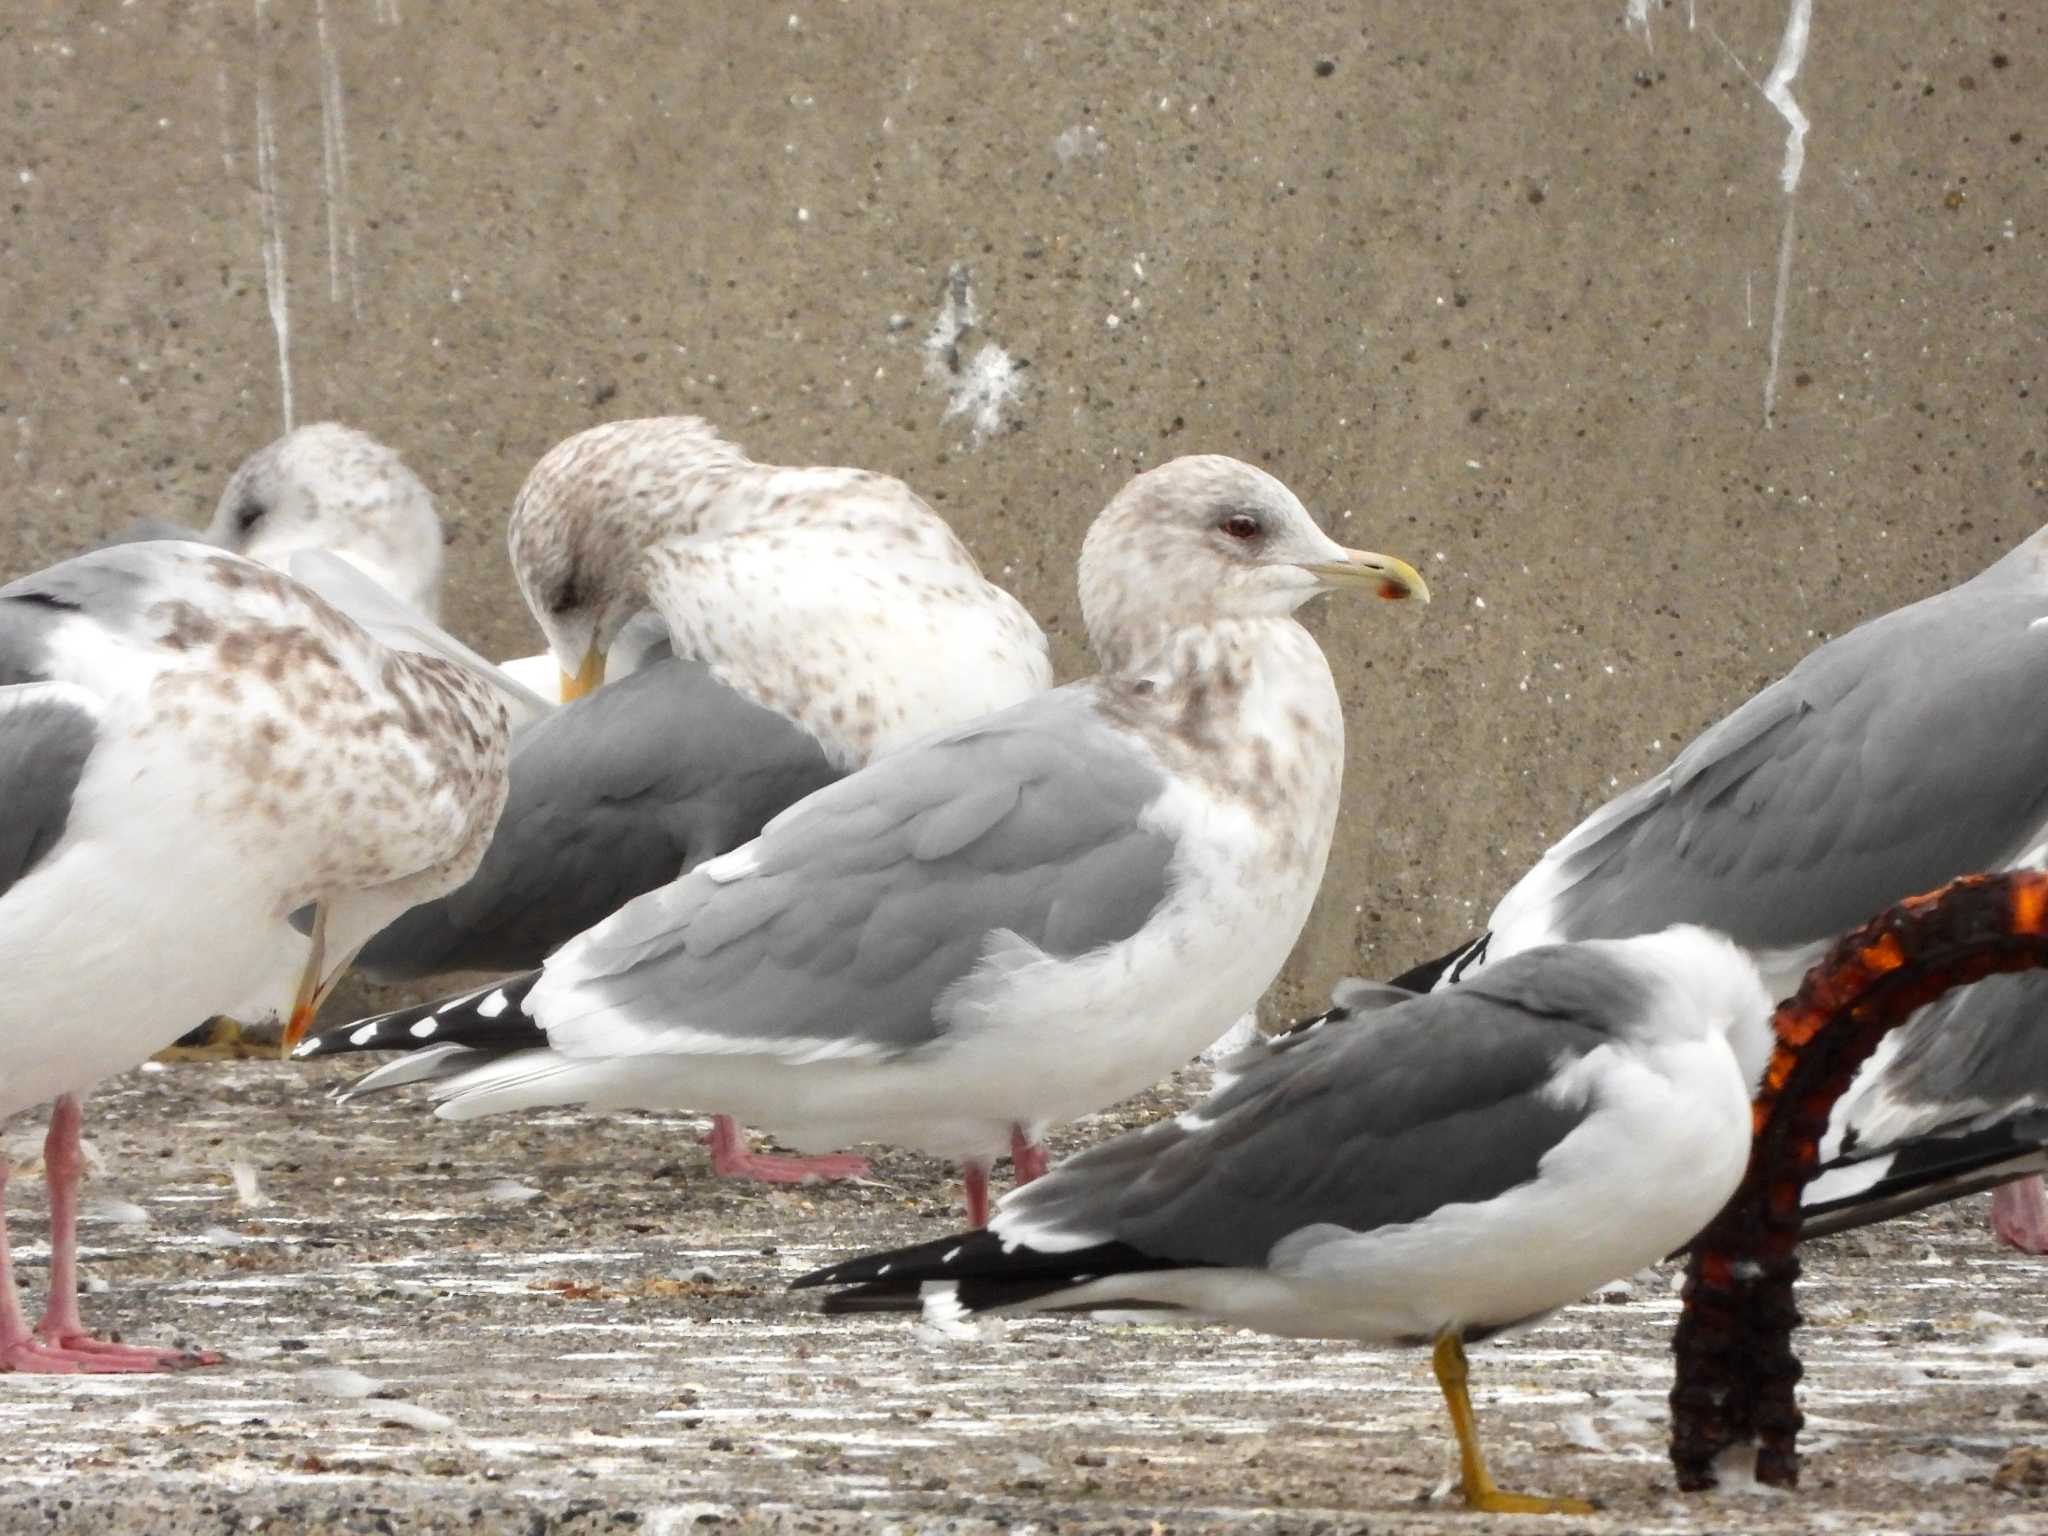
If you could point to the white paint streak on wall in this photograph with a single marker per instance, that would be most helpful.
(341, 230)
(274, 281)
(1637, 19)
(1777, 89)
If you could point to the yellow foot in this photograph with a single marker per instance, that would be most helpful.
(1497, 1501)
(218, 1039)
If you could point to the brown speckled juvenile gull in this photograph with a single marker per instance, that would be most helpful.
(1002, 926)
(832, 596)
(193, 750)
(327, 486)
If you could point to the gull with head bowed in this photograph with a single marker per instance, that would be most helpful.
(216, 787)
(1000, 927)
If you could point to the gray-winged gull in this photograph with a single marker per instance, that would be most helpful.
(1003, 926)
(826, 615)
(193, 751)
(327, 486)
(1886, 763)
(1433, 1172)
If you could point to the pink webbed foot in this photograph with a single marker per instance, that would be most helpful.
(82, 1354)
(732, 1158)
(2019, 1215)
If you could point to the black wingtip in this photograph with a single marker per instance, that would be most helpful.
(1424, 977)
(490, 1018)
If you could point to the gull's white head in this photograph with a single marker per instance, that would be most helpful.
(328, 486)
(1210, 538)
(586, 516)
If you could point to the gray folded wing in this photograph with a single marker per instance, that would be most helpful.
(612, 795)
(1440, 1100)
(1977, 1051)
(841, 929)
(1887, 762)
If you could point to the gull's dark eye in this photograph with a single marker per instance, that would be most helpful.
(1241, 525)
(569, 596)
(248, 515)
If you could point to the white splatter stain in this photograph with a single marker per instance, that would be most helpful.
(341, 230)
(1777, 89)
(275, 282)
(984, 388)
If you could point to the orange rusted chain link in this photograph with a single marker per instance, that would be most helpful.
(1736, 1370)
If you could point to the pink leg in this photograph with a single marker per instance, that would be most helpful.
(732, 1158)
(975, 1177)
(2019, 1214)
(60, 1342)
(1028, 1158)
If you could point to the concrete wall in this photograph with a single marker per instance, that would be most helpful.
(1496, 285)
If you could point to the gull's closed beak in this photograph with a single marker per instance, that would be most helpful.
(312, 990)
(1394, 579)
(585, 678)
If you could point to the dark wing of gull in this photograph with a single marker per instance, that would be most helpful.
(1888, 761)
(612, 795)
(1447, 1099)
(843, 928)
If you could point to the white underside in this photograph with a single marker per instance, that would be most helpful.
(137, 927)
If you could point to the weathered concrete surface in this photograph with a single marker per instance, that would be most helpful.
(603, 1329)
(1495, 281)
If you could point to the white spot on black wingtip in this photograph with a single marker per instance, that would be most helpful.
(363, 1034)
(424, 1030)
(950, 1254)
(883, 1270)
(493, 1005)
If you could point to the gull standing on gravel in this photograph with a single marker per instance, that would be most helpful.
(1001, 927)
(1896, 757)
(215, 788)
(1433, 1172)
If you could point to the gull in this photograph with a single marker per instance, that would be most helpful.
(216, 787)
(997, 928)
(1886, 763)
(1433, 1172)
(827, 615)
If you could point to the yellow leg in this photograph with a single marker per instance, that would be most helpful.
(218, 1039)
(1480, 1494)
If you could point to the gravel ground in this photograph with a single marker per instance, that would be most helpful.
(565, 1324)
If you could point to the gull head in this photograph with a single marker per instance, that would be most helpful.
(585, 518)
(1209, 538)
(327, 486)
